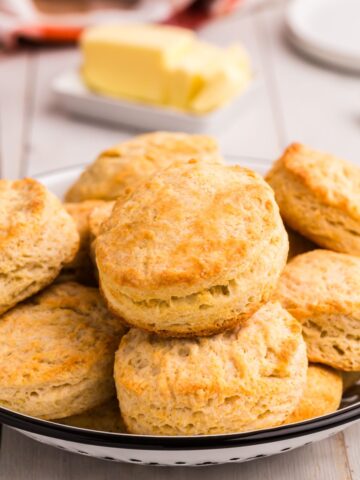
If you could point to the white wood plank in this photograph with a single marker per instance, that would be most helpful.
(24, 459)
(14, 102)
(253, 132)
(58, 140)
(319, 106)
(351, 441)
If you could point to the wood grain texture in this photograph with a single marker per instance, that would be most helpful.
(318, 106)
(15, 104)
(351, 438)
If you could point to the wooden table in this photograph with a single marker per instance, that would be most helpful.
(297, 100)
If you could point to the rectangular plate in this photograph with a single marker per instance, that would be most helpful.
(73, 96)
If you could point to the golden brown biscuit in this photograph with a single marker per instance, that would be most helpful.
(117, 172)
(81, 213)
(97, 224)
(350, 379)
(298, 244)
(37, 237)
(57, 352)
(319, 197)
(106, 417)
(197, 249)
(98, 217)
(82, 266)
(322, 394)
(322, 290)
(244, 379)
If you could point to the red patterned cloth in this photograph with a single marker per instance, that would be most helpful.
(21, 20)
(202, 11)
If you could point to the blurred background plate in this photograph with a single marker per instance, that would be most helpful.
(328, 30)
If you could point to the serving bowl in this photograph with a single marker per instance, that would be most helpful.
(183, 450)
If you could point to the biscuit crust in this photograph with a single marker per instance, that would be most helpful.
(98, 218)
(298, 244)
(322, 290)
(105, 417)
(197, 249)
(32, 252)
(319, 197)
(82, 266)
(57, 352)
(248, 378)
(322, 394)
(350, 379)
(117, 171)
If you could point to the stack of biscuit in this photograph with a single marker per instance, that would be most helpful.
(171, 290)
(319, 198)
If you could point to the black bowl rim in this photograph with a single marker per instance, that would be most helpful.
(201, 442)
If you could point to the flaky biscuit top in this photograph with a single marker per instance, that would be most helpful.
(321, 281)
(117, 171)
(334, 181)
(191, 226)
(56, 337)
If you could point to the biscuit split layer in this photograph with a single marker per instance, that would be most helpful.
(322, 290)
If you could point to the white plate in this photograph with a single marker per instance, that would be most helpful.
(73, 96)
(328, 30)
(180, 451)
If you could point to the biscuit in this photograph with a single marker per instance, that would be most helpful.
(37, 238)
(106, 418)
(319, 197)
(116, 172)
(97, 224)
(57, 352)
(322, 290)
(98, 217)
(197, 249)
(350, 379)
(245, 379)
(82, 266)
(322, 394)
(298, 244)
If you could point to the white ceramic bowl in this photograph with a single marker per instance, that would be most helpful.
(191, 450)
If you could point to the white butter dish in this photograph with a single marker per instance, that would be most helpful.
(74, 97)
